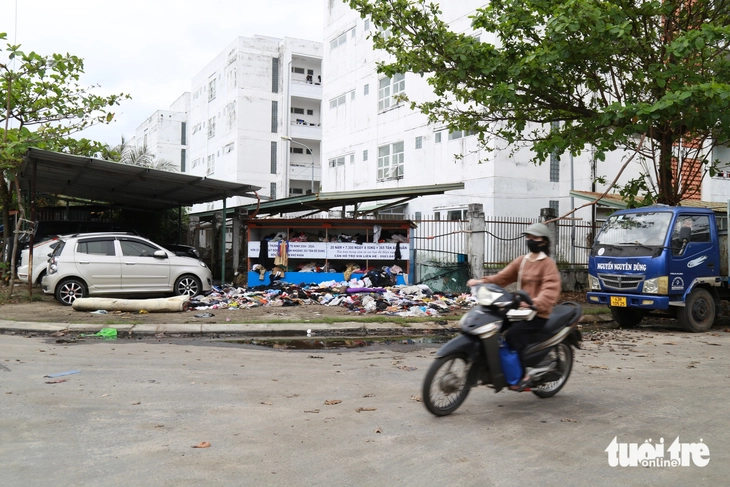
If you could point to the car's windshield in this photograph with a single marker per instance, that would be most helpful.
(648, 228)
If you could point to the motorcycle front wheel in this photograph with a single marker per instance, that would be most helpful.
(563, 356)
(445, 387)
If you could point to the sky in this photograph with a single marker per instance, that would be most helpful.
(150, 49)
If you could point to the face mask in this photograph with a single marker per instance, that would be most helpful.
(534, 246)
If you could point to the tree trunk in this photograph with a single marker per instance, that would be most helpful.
(667, 194)
(16, 233)
(5, 200)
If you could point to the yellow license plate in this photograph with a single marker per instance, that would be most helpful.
(618, 301)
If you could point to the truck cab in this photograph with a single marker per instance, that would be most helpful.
(663, 258)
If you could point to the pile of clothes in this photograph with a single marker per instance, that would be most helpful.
(407, 301)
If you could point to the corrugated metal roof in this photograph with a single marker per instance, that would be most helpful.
(131, 186)
(613, 200)
(337, 199)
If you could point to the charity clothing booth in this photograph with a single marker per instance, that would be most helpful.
(316, 250)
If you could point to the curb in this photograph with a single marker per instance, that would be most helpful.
(252, 329)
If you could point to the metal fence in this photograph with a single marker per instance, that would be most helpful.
(445, 243)
(440, 259)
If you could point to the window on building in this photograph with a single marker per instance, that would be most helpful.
(297, 191)
(183, 133)
(366, 90)
(310, 112)
(337, 161)
(365, 155)
(296, 150)
(310, 72)
(273, 157)
(211, 165)
(461, 133)
(183, 155)
(555, 205)
(228, 148)
(352, 95)
(211, 90)
(211, 128)
(419, 142)
(272, 191)
(366, 25)
(340, 100)
(352, 158)
(274, 116)
(298, 111)
(437, 137)
(390, 161)
(340, 39)
(274, 74)
(437, 215)
(388, 88)
(418, 216)
(296, 70)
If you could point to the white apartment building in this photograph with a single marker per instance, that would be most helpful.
(253, 116)
(370, 141)
(165, 133)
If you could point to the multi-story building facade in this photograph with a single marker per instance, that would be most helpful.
(165, 133)
(253, 115)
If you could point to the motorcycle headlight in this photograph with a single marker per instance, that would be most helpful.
(658, 285)
(595, 283)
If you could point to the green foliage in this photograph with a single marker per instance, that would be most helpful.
(605, 70)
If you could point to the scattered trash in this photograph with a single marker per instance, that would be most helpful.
(61, 374)
(407, 368)
(99, 312)
(378, 430)
(314, 356)
(143, 312)
(312, 411)
(205, 315)
(332, 402)
(57, 381)
(566, 420)
(104, 395)
(369, 395)
(365, 409)
(354, 295)
(104, 333)
(202, 444)
(416, 398)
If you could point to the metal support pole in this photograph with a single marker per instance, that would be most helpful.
(223, 244)
(31, 241)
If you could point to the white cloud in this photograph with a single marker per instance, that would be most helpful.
(150, 49)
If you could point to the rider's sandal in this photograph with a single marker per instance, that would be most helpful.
(521, 386)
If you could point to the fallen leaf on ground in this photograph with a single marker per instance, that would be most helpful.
(669, 343)
(598, 367)
(378, 430)
(57, 381)
(202, 444)
(312, 411)
(332, 402)
(407, 368)
(314, 356)
(293, 395)
(416, 398)
(136, 403)
(366, 409)
(104, 395)
(568, 420)
(266, 403)
(369, 395)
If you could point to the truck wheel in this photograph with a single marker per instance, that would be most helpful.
(627, 317)
(699, 310)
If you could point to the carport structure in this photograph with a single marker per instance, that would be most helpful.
(126, 186)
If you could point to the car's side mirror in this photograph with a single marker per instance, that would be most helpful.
(160, 254)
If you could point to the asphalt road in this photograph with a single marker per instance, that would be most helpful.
(133, 413)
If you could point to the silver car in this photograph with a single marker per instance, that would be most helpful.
(102, 264)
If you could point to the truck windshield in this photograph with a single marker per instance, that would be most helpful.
(648, 229)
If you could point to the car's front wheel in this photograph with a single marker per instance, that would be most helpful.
(70, 290)
(188, 285)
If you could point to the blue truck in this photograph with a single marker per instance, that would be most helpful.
(670, 260)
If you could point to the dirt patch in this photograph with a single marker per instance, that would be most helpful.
(45, 309)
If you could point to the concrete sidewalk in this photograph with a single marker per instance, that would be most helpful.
(252, 329)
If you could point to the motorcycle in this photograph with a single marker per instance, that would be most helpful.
(473, 357)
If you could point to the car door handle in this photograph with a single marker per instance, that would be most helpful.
(129, 263)
(84, 262)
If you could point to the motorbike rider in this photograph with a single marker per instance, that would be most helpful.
(537, 275)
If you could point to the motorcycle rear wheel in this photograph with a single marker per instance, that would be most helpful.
(564, 366)
(445, 387)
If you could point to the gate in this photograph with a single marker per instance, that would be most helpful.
(440, 259)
